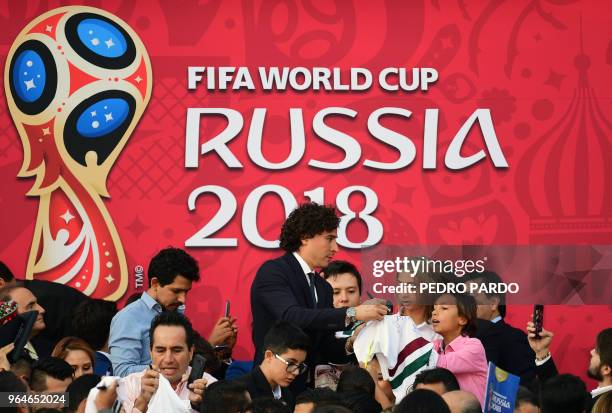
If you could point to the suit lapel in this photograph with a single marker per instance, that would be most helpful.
(321, 293)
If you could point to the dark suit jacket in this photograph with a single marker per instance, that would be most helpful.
(258, 387)
(280, 292)
(507, 347)
(547, 370)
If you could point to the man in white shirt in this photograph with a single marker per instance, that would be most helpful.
(171, 352)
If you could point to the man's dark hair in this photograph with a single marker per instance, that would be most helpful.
(10, 383)
(268, 405)
(79, 389)
(356, 379)
(285, 336)
(437, 375)
(170, 262)
(225, 397)
(321, 396)
(91, 321)
(603, 346)
(341, 267)
(172, 318)
(525, 396)
(490, 277)
(5, 273)
(22, 367)
(305, 222)
(51, 366)
(7, 290)
(565, 393)
(422, 401)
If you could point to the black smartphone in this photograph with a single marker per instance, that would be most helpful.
(227, 308)
(389, 305)
(538, 318)
(198, 364)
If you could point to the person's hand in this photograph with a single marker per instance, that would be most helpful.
(540, 345)
(231, 341)
(383, 393)
(375, 301)
(348, 346)
(106, 397)
(149, 382)
(4, 351)
(369, 312)
(196, 391)
(222, 332)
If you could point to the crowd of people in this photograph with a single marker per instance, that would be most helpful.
(309, 324)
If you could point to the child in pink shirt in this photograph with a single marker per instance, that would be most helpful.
(454, 318)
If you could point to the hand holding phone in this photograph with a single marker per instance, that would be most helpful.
(198, 365)
(538, 319)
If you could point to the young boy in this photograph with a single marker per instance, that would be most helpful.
(285, 347)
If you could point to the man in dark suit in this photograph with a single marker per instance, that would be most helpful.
(285, 348)
(288, 288)
(505, 346)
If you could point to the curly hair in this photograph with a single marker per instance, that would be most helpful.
(306, 221)
(170, 262)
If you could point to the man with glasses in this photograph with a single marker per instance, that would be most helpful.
(285, 347)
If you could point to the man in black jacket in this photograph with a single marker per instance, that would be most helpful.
(288, 288)
(285, 348)
(505, 346)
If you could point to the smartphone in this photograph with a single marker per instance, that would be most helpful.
(198, 364)
(538, 318)
(227, 308)
(389, 305)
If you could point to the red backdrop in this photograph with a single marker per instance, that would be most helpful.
(542, 67)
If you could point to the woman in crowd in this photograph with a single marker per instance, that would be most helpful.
(77, 353)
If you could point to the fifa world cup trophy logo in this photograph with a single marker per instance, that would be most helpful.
(77, 80)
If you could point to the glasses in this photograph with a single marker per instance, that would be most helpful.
(292, 367)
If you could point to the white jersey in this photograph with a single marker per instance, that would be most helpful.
(401, 348)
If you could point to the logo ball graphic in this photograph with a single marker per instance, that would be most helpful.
(77, 80)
